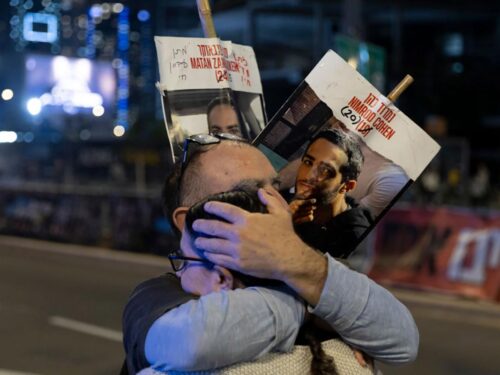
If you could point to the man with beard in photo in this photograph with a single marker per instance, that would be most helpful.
(324, 216)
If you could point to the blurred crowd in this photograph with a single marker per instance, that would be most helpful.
(454, 177)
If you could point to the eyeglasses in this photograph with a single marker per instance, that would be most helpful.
(179, 262)
(194, 142)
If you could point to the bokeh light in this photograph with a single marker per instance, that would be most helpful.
(143, 15)
(7, 94)
(8, 136)
(34, 106)
(118, 131)
(85, 135)
(98, 110)
(117, 7)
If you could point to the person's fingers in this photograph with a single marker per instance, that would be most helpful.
(273, 203)
(274, 193)
(304, 210)
(303, 219)
(294, 207)
(214, 228)
(222, 260)
(360, 358)
(214, 245)
(303, 202)
(226, 211)
(300, 205)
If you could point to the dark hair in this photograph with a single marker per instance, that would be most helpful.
(220, 100)
(348, 144)
(312, 335)
(246, 197)
(170, 195)
(178, 186)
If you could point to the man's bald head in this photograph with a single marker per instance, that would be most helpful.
(214, 169)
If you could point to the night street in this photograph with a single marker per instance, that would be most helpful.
(61, 307)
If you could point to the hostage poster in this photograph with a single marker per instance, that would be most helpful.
(209, 86)
(336, 96)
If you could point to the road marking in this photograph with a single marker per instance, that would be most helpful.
(12, 372)
(85, 251)
(89, 329)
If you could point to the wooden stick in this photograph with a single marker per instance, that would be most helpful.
(401, 86)
(207, 22)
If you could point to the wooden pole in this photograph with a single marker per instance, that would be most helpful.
(401, 86)
(207, 22)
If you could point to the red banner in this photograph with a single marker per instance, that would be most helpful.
(453, 250)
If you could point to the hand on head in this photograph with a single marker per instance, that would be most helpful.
(252, 243)
(261, 245)
(199, 275)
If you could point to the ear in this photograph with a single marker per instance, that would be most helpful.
(349, 185)
(223, 279)
(179, 217)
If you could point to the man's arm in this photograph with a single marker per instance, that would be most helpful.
(265, 245)
(223, 328)
(262, 245)
(367, 316)
(149, 300)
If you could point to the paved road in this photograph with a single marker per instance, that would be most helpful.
(456, 336)
(47, 289)
(60, 312)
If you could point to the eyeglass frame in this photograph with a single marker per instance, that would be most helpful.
(177, 256)
(200, 140)
(203, 140)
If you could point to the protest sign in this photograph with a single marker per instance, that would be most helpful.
(209, 85)
(334, 95)
(440, 249)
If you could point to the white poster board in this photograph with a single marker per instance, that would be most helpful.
(209, 85)
(334, 95)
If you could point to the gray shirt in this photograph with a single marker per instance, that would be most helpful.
(228, 327)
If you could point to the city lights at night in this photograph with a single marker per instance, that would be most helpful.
(261, 187)
(7, 94)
